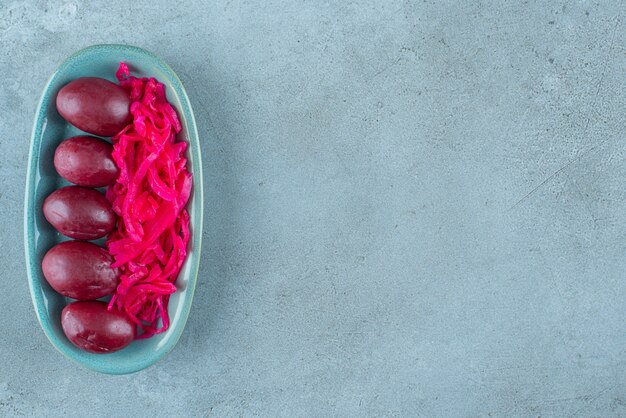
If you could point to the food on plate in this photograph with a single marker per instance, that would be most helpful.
(91, 326)
(150, 243)
(86, 161)
(148, 188)
(79, 212)
(94, 105)
(80, 270)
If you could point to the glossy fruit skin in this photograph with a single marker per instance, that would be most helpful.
(93, 328)
(94, 105)
(79, 212)
(86, 161)
(80, 270)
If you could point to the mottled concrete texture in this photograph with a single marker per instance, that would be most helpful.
(412, 208)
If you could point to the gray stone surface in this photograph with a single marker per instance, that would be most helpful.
(413, 208)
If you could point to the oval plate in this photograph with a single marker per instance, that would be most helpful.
(42, 179)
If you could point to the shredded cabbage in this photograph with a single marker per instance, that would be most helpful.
(149, 198)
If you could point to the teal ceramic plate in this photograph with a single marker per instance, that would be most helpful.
(42, 179)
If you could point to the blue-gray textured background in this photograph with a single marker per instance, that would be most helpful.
(413, 208)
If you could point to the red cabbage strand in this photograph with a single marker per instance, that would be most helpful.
(149, 199)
